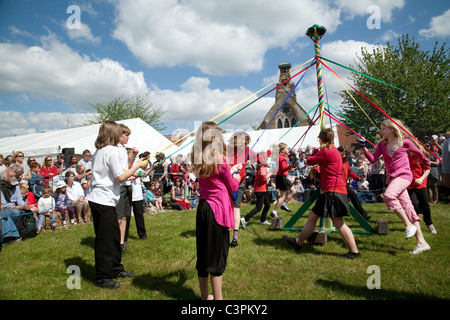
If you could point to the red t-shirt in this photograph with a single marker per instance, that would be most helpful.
(330, 163)
(260, 184)
(418, 167)
(48, 173)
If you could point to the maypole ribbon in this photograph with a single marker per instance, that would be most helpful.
(331, 117)
(157, 163)
(387, 84)
(337, 77)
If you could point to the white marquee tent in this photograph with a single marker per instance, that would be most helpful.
(39, 145)
(270, 137)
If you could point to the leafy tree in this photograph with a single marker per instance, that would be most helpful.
(423, 105)
(128, 108)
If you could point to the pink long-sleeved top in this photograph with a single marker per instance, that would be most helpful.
(397, 163)
(217, 190)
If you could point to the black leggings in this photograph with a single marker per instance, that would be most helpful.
(262, 198)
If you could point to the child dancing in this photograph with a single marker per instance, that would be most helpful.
(394, 149)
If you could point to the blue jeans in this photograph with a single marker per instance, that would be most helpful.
(8, 223)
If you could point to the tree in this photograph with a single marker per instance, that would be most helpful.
(423, 105)
(128, 108)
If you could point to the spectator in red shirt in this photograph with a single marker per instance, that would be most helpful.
(48, 170)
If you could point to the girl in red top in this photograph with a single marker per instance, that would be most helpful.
(48, 170)
(260, 186)
(333, 201)
(282, 182)
(418, 191)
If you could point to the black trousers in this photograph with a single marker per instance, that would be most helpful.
(108, 255)
(419, 199)
(138, 212)
(353, 197)
(262, 198)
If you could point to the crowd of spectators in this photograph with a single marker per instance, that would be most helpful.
(170, 184)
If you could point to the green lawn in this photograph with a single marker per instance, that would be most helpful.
(262, 267)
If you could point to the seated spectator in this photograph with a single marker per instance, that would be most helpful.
(62, 203)
(75, 194)
(299, 190)
(12, 205)
(18, 158)
(363, 184)
(195, 195)
(37, 181)
(48, 170)
(86, 161)
(158, 193)
(27, 195)
(177, 195)
(46, 207)
(60, 163)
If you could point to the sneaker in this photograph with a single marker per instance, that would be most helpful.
(351, 255)
(162, 211)
(108, 284)
(410, 231)
(234, 243)
(125, 274)
(265, 222)
(243, 223)
(285, 208)
(292, 242)
(273, 215)
(432, 229)
(418, 249)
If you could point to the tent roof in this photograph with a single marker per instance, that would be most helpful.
(39, 145)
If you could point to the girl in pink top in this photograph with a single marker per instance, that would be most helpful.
(215, 214)
(394, 150)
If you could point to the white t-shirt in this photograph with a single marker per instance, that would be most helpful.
(45, 204)
(136, 186)
(106, 167)
(124, 161)
(75, 192)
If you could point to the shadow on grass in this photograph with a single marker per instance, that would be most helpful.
(188, 234)
(87, 270)
(374, 294)
(171, 284)
(88, 241)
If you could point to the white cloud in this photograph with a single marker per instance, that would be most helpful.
(83, 34)
(218, 37)
(439, 26)
(55, 71)
(196, 101)
(14, 123)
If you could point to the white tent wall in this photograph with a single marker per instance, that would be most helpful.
(270, 137)
(40, 145)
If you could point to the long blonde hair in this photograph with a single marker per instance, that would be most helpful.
(398, 132)
(208, 150)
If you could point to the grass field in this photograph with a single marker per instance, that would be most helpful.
(262, 267)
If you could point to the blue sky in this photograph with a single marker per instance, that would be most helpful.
(193, 58)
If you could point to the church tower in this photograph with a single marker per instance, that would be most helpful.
(291, 111)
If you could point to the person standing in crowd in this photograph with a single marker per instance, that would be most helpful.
(215, 214)
(86, 160)
(48, 170)
(107, 174)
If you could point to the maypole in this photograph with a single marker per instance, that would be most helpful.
(315, 33)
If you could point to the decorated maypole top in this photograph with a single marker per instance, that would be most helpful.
(316, 33)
